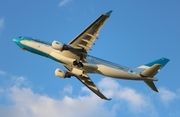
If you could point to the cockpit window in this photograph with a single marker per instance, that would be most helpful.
(22, 37)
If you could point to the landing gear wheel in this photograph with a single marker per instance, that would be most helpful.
(79, 65)
(75, 63)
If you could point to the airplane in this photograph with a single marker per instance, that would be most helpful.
(74, 57)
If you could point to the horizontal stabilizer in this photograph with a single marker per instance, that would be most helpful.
(150, 72)
(151, 85)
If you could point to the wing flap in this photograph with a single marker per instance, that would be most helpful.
(87, 41)
(85, 47)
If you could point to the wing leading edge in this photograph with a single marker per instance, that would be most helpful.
(86, 38)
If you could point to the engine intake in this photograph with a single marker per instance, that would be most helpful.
(59, 46)
(62, 74)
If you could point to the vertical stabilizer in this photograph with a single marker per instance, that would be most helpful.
(161, 61)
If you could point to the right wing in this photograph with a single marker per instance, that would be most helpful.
(86, 39)
(89, 83)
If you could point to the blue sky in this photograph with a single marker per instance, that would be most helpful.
(137, 32)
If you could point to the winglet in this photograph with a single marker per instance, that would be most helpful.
(109, 13)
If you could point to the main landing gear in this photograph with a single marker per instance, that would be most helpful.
(78, 64)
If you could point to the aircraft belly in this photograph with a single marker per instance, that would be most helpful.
(60, 58)
(115, 73)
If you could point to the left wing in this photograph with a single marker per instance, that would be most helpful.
(89, 83)
(85, 79)
(86, 39)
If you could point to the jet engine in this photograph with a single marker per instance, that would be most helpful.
(59, 46)
(62, 74)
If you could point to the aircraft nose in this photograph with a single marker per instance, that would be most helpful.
(17, 41)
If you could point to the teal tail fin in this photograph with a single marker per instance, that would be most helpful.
(161, 61)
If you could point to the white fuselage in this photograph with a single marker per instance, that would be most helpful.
(66, 57)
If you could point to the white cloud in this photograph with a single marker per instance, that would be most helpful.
(1, 24)
(18, 81)
(23, 101)
(29, 104)
(68, 89)
(64, 2)
(166, 96)
(2, 72)
(136, 101)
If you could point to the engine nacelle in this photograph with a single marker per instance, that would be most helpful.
(59, 46)
(62, 74)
